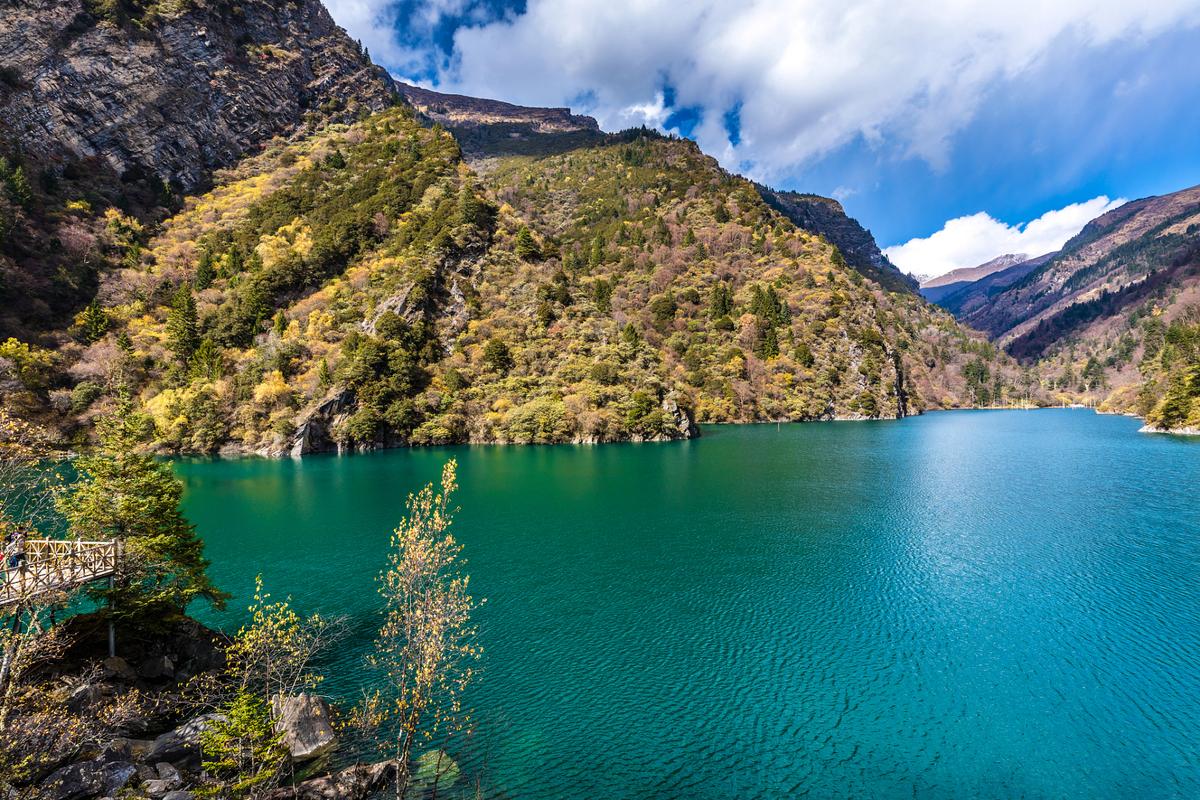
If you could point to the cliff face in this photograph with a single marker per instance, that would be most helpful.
(176, 93)
(128, 106)
(491, 128)
(825, 216)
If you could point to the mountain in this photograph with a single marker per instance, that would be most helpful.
(937, 287)
(1113, 255)
(128, 105)
(456, 270)
(962, 298)
(1111, 317)
(486, 128)
(826, 217)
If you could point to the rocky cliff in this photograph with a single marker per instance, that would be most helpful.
(175, 93)
(491, 128)
(126, 106)
(825, 216)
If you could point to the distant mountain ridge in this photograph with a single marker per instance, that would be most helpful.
(1112, 253)
(492, 128)
(954, 289)
(965, 275)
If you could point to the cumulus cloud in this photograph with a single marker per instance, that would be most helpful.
(973, 240)
(806, 76)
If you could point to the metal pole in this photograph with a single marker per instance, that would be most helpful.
(112, 633)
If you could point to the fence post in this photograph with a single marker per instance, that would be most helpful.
(112, 631)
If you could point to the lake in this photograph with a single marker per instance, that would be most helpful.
(963, 604)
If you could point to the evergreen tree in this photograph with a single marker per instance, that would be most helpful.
(183, 326)
(18, 188)
(205, 273)
(720, 301)
(93, 322)
(134, 498)
(527, 249)
(206, 361)
(324, 375)
(596, 257)
(496, 355)
(602, 292)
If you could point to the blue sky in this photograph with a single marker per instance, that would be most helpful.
(913, 115)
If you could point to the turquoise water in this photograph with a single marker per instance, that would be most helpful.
(966, 604)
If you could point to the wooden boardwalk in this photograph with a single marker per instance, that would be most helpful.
(56, 566)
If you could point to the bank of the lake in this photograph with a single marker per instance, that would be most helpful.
(981, 603)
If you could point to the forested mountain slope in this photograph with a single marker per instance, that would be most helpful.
(359, 284)
(362, 287)
(129, 104)
(1112, 316)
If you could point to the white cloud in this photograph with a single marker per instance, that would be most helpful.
(978, 238)
(809, 75)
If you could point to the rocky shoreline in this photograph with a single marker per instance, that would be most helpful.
(154, 749)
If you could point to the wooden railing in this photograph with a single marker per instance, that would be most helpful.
(56, 565)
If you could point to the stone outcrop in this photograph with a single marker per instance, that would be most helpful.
(360, 780)
(315, 432)
(88, 779)
(679, 417)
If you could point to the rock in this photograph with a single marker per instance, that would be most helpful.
(159, 788)
(122, 749)
(360, 780)
(305, 724)
(178, 795)
(117, 667)
(314, 433)
(83, 697)
(167, 772)
(168, 780)
(156, 667)
(182, 745)
(173, 101)
(681, 420)
(88, 779)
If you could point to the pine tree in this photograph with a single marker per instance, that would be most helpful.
(18, 188)
(720, 301)
(526, 248)
(93, 322)
(134, 498)
(205, 273)
(596, 257)
(183, 326)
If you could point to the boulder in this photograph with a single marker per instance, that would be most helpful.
(88, 779)
(156, 667)
(306, 725)
(117, 667)
(168, 780)
(122, 749)
(83, 697)
(182, 745)
(360, 780)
